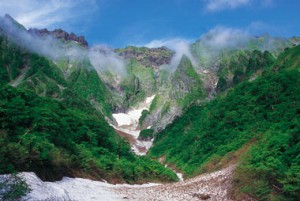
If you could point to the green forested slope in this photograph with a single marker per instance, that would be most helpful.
(265, 112)
(49, 126)
(240, 65)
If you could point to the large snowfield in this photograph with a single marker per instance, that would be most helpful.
(211, 186)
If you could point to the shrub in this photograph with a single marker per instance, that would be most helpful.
(13, 187)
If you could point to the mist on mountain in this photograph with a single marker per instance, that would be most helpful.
(100, 56)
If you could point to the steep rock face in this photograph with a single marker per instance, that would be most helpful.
(149, 57)
(242, 65)
(210, 80)
(60, 34)
(162, 116)
(181, 89)
(186, 83)
(131, 88)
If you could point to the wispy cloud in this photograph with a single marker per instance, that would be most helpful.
(45, 13)
(224, 37)
(101, 57)
(179, 45)
(218, 5)
(104, 59)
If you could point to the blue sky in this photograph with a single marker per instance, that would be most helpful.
(119, 23)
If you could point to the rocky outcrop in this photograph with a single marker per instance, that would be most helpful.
(186, 85)
(183, 87)
(60, 34)
(159, 118)
(149, 57)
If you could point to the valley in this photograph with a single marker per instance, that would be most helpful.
(197, 120)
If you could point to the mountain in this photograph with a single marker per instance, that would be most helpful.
(53, 117)
(257, 119)
(154, 71)
(60, 34)
(217, 104)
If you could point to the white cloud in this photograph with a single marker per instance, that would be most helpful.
(45, 13)
(221, 37)
(104, 59)
(213, 41)
(46, 46)
(216, 5)
(179, 45)
(101, 57)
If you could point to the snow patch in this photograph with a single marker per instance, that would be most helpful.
(131, 118)
(216, 185)
(123, 119)
(73, 189)
(180, 176)
(128, 123)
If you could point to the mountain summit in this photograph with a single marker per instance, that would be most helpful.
(60, 34)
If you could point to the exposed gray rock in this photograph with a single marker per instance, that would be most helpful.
(148, 57)
(60, 34)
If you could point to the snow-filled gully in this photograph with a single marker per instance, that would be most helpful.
(128, 124)
(128, 127)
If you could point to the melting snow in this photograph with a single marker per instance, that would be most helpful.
(75, 189)
(123, 119)
(215, 186)
(128, 123)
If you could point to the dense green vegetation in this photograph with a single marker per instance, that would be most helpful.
(87, 84)
(265, 111)
(146, 134)
(52, 123)
(289, 59)
(11, 61)
(47, 79)
(210, 55)
(241, 65)
(55, 139)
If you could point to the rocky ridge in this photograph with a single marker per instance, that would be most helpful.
(148, 57)
(60, 34)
